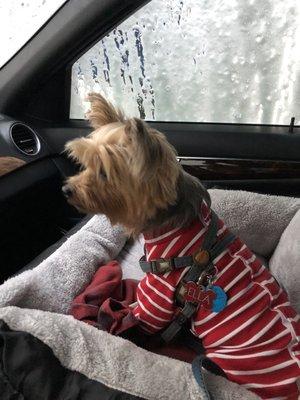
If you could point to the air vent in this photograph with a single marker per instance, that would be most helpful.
(25, 139)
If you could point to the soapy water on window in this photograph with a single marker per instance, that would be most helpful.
(198, 61)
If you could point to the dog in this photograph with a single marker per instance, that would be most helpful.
(130, 173)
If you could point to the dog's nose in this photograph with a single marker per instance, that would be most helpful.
(67, 191)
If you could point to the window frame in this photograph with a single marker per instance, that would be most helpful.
(292, 127)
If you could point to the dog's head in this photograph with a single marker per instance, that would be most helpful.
(129, 170)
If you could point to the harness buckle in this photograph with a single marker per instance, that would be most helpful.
(162, 265)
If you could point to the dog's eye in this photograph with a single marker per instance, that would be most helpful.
(102, 174)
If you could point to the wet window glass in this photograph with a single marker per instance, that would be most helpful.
(199, 61)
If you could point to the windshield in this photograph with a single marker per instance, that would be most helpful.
(20, 20)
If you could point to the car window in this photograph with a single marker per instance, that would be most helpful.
(221, 61)
(19, 20)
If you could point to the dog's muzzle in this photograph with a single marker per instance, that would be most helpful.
(67, 191)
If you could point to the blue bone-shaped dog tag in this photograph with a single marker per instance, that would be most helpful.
(220, 301)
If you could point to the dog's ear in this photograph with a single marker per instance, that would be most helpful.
(137, 132)
(151, 152)
(102, 112)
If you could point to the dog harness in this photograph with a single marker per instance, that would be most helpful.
(195, 288)
(233, 304)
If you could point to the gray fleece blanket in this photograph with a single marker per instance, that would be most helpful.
(37, 301)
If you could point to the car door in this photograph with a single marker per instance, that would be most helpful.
(213, 78)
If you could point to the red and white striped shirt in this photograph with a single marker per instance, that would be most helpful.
(256, 338)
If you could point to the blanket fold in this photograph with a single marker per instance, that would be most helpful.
(105, 302)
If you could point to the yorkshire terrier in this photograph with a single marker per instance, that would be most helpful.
(131, 174)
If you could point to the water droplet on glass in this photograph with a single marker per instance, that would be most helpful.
(237, 116)
(235, 60)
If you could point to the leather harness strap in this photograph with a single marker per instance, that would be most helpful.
(163, 265)
(201, 264)
(202, 268)
(192, 275)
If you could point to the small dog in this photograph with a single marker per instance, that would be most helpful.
(131, 174)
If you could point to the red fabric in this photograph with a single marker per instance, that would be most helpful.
(105, 301)
(255, 340)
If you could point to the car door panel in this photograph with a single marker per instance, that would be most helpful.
(209, 154)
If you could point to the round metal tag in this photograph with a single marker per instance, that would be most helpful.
(202, 257)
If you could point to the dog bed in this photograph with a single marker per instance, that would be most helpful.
(47, 354)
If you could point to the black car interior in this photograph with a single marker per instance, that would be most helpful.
(35, 125)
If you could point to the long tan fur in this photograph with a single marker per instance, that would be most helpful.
(102, 112)
(129, 171)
